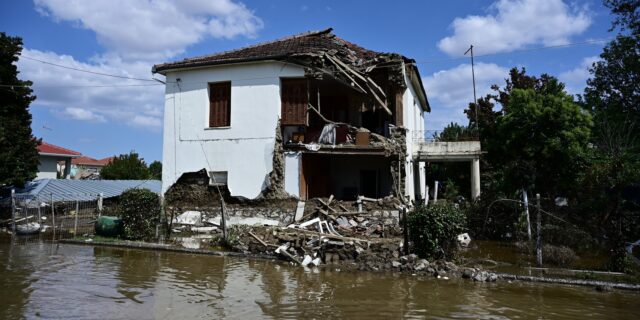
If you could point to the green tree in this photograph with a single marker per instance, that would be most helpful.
(126, 167)
(627, 14)
(455, 132)
(155, 169)
(18, 146)
(613, 91)
(613, 95)
(543, 139)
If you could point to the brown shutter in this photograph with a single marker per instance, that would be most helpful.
(220, 104)
(294, 101)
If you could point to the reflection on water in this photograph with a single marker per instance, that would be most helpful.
(67, 281)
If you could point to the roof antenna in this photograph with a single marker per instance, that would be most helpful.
(473, 77)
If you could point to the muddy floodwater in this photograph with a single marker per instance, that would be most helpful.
(42, 280)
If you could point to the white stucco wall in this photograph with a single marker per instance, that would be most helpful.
(292, 163)
(414, 121)
(48, 167)
(245, 149)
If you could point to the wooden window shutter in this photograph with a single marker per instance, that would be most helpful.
(294, 101)
(220, 104)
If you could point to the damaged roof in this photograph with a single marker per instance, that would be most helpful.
(313, 43)
(301, 44)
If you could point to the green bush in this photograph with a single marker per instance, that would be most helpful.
(140, 213)
(560, 256)
(433, 229)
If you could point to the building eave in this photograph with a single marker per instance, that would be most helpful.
(58, 155)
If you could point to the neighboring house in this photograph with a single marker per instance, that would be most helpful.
(311, 115)
(87, 168)
(50, 155)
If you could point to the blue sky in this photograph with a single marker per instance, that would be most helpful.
(101, 116)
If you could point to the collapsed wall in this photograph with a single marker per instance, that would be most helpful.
(192, 192)
(398, 151)
(274, 188)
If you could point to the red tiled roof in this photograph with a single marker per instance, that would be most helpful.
(91, 161)
(47, 148)
(300, 44)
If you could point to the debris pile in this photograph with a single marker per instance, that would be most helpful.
(311, 248)
(350, 219)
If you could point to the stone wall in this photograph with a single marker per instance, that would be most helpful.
(384, 217)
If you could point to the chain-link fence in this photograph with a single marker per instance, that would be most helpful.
(53, 217)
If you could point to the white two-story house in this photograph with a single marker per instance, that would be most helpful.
(311, 115)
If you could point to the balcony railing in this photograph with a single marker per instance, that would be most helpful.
(437, 136)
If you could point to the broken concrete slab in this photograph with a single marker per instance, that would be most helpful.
(189, 218)
(299, 211)
(204, 229)
(250, 221)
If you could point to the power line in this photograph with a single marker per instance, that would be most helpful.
(589, 42)
(84, 70)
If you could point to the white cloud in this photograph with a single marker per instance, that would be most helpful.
(576, 79)
(89, 97)
(135, 34)
(450, 91)
(146, 121)
(154, 29)
(83, 114)
(515, 24)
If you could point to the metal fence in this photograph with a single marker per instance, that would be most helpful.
(53, 217)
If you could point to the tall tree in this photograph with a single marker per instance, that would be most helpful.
(613, 96)
(613, 92)
(627, 14)
(18, 146)
(126, 167)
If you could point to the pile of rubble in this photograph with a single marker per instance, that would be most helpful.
(351, 219)
(311, 248)
(332, 232)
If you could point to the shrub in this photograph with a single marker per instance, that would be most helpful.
(433, 229)
(560, 256)
(140, 213)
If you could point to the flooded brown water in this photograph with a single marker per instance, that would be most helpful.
(42, 280)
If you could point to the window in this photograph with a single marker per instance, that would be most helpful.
(294, 101)
(219, 104)
(217, 178)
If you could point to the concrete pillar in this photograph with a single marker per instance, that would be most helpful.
(435, 191)
(67, 169)
(475, 178)
(422, 180)
(426, 195)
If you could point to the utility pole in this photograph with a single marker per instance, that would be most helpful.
(538, 240)
(473, 77)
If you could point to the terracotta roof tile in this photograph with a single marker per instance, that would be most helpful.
(91, 161)
(53, 149)
(301, 44)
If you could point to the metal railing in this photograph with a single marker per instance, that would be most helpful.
(52, 217)
(422, 136)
